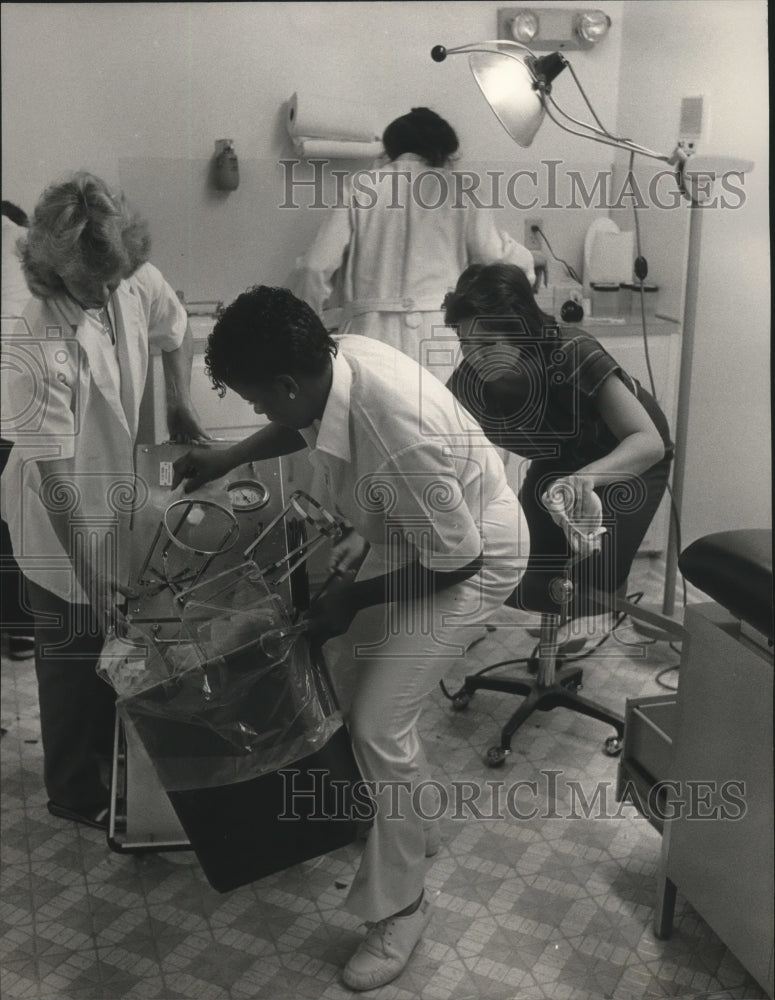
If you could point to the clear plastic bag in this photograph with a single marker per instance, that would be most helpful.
(233, 696)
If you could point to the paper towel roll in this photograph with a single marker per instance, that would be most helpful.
(316, 116)
(337, 149)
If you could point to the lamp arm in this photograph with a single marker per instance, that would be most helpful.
(498, 46)
(605, 139)
(586, 101)
(602, 130)
(544, 94)
(628, 144)
(596, 131)
(600, 134)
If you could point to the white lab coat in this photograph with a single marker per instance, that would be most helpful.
(62, 399)
(399, 258)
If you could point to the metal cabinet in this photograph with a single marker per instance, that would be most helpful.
(717, 844)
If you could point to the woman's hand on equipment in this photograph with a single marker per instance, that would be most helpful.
(578, 510)
(185, 427)
(108, 599)
(331, 613)
(348, 553)
(199, 466)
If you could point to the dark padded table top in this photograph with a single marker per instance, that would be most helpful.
(734, 568)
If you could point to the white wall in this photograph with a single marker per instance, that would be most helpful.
(85, 84)
(138, 93)
(717, 48)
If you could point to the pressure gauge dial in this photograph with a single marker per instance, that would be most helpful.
(247, 495)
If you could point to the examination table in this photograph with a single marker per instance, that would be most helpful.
(699, 763)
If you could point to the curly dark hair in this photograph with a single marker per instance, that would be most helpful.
(423, 132)
(264, 333)
(496, 293)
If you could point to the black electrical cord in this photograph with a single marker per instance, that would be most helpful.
(661, 674)
(668, 670)
(571, 273)
(641, 271)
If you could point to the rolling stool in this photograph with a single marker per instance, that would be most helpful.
(556, 683)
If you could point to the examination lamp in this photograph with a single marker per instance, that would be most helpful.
(518, 87)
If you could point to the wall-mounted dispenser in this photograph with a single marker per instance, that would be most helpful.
(225, 167)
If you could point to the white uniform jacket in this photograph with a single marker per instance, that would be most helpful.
(70, 394)
(399, 459)
(402, 238)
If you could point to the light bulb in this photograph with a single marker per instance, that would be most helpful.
(593, 25)
(524, 27)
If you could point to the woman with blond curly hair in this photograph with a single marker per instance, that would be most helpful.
(75, 367)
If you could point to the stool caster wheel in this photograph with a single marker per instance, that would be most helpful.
(612, 746)
(460, 701)
(496, 756)
(573, 686)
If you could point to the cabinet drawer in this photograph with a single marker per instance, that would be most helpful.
(648, 734)
(649, 724)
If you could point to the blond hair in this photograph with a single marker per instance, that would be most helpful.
(81, 226)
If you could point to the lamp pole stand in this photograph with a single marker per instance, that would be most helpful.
(517, 86)
(684, 393)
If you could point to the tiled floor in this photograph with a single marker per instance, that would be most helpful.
(551, 908)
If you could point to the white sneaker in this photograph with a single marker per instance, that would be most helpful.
(386, 949)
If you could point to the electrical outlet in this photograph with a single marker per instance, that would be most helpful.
(533, 239)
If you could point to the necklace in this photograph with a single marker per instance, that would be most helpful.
(107, 324)
(101, 314)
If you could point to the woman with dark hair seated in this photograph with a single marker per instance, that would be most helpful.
(598, 444)
(402, 237)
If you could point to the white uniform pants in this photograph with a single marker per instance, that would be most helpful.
(391, 658)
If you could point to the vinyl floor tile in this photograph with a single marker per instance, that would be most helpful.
(545, 883)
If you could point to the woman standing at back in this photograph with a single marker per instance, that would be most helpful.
(401, 239)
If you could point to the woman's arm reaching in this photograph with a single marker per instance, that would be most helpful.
(202, 465)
